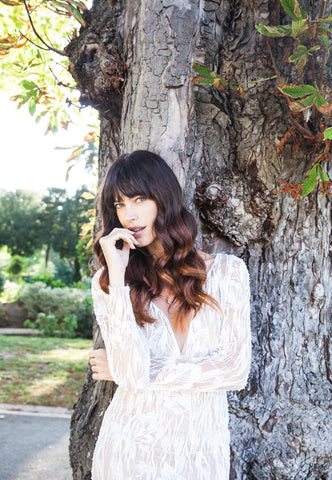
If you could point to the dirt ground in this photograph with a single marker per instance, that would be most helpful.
(12, 315)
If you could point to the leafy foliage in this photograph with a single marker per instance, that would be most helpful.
(20, 227)
(61, 303)
(206, 77)
(49, 325)
(34, 66)
(328, 134)
(49, 280)
(306, 101)
(67, 218)
(312, 48)
(27, 223)
(33, 63)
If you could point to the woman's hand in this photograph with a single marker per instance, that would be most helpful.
(116, 259)
(99, 364)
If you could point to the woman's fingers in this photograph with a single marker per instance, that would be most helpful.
(119, 234)
(99, 365)
(101, 375)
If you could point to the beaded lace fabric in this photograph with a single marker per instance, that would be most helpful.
(168, 419)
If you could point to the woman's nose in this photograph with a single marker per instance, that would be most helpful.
(131, 213)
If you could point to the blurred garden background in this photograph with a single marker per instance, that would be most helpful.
(47, 191)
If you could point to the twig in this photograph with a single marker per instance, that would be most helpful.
(57, 80)
(37, 34)
(273, 61)
(33, 43)
(313, 10)
(322, 70)
(303, 130)
(322, 8)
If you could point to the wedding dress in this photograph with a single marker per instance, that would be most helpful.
(168, 419)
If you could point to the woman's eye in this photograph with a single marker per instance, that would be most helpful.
(118, 205)
(140, 199)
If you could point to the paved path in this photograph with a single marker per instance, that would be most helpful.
(34, 443)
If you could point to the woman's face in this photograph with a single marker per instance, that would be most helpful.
(138, 214)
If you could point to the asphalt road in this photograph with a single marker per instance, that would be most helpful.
(34, 446)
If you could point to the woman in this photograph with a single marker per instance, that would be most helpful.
(175, 322)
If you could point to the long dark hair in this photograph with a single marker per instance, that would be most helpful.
(180, 268)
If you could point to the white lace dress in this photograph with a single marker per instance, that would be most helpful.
(168, 419)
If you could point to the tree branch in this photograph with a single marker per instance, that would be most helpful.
(58, 81)
(60, 52)
(33, 43)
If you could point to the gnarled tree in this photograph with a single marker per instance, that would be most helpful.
(132, 61)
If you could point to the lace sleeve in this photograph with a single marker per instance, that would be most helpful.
(131, 365)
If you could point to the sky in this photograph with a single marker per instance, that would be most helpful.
(28, 159)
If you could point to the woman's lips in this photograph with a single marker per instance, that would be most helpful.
(138, 232)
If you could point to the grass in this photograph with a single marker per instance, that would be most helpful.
(42, 371)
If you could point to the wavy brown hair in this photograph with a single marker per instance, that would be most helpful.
(180, 268)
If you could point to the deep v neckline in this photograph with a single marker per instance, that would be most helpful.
(168, 323)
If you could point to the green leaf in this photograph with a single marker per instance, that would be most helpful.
(303, 14)
(23, 98)
(302, 50)
(76, 14)
(29, 85)
(205, 76)
(32, 108)
(299, 27)
(274, 31)
(288, 6)
(309, 183)
(299, 91)
(321, 172)
(320, 100)
(328, 134)
(41, 115)
(325, 39)
(88, 196)
(302, 104)
(202, 70)
(327, 19)
(203, 80)
(314, 48)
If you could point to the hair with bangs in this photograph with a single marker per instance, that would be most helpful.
(180, 268)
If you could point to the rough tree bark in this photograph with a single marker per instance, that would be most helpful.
(132, 62)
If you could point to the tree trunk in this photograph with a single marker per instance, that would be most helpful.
(133, 62)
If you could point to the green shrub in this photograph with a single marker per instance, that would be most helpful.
(49, 280)
(83, 285)
(2, 282)
(85, 318)
(63, 304)
(50, 326)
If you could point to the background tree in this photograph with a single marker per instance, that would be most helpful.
(28, 223)
(50, 219)
(132, 62)
(71, 217)
(20, 227)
